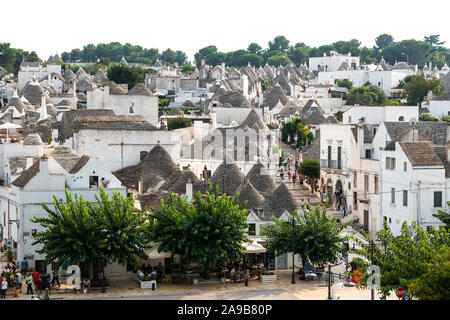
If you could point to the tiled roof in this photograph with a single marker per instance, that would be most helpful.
(421, 154)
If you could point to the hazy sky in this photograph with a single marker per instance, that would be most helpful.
(50, 26)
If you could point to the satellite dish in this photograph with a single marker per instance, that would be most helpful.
(412, 122)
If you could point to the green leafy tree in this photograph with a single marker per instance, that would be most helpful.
(316, 236)
(345, 83)
(419, 85)
(126, 74)
(279, 60)
(125, 231)
(311, 169)
(279, 43)
(434, 41)
(74, 232)
(415, 51)
(405, 258)
(178, 122)
(383, 40)
(254, 48)
(368, 95)
(71, 233)
(207, 230)
(435, 283)
(11, 58)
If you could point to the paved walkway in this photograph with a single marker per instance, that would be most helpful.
(256, 290)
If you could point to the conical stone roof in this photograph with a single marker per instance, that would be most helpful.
(253, 120)
(228, 177)
(261, 179)
(247, 192)
(279, 201)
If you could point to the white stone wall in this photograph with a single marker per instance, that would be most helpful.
(420, 184)
(384, 79)
(106, 146)
(146, 106)
(378, 114)
(438, 108)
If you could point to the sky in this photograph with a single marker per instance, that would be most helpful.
(55, 26)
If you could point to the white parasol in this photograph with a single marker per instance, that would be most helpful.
(253, 247)
(154, 254)
(9, 125)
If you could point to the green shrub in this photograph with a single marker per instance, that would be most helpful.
(179, 122)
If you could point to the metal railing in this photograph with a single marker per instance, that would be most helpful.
(333, 164)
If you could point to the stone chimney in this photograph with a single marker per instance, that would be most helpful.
(29, 163)
(43, 113)
(43, 164)
(143, 154)
(141, 185)
(429, 95)
(189, 190)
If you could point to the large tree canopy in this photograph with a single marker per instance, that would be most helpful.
(419, 85)
(210, 229)
(405, 259)
(315, 236)
(11, 58)
(88, 233)
(126, 74)
(114, 51)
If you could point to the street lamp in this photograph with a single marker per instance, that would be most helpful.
(293, 250)
(407, 57)
(103, 269)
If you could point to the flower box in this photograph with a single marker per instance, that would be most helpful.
(144, 284)
(269, 278)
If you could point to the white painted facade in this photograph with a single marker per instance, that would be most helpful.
(438, 108)
(420, 184)
(26, 73)
(25, 203)
(146, 106)
(383, 79)
(333, 61)
(17, 149)
(117, 149)
(379, 114)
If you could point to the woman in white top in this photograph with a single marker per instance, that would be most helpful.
(4, 288)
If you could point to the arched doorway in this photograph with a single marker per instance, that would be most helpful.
(330, 191)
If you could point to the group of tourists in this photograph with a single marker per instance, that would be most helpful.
(155, 272)
(287, 167)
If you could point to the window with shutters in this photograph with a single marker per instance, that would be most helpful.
(393, 195)
(405, 198)
(438, 199)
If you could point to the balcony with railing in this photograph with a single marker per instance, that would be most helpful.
(331, 164)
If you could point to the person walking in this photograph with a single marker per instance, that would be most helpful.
(29, 283)
(281, 173)
(35, 276)
(289, 174)
(16, 284)
(19, 275)
(4, 287)
(294, 178)
(55, 278)
(24, 266)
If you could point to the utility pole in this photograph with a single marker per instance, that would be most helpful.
(372, 291)
(329, 282)
(293, 244)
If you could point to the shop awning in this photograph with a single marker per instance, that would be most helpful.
(253, 247)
